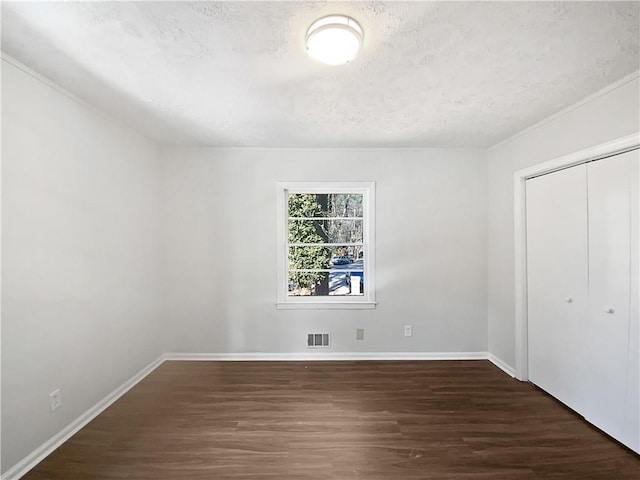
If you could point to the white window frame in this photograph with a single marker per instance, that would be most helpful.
(366, 301)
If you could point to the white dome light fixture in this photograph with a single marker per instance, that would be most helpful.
(334, 39)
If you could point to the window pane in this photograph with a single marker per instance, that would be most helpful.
(334, 283)
(325, 231)
(325, 205)
(319, 257)
(321, 271)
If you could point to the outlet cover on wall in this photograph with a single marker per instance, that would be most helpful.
(55, 401)
(408, 330)
(360, 334)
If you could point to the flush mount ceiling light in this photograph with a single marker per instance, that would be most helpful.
(334, 39)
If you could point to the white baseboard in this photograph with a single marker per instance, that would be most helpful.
(326, 356)
(35, 457)
(502, 365)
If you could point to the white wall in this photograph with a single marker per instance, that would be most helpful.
(220, 210)
(80, 250)
(604, 117)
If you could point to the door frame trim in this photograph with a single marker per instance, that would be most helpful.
(603, 150)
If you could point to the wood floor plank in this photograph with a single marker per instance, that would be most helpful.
(463, 420)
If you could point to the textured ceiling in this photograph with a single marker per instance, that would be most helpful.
(451, 74)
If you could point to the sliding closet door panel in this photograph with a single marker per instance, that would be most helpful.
(609, 291)
(558, 282)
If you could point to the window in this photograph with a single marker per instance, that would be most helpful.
(325, 245)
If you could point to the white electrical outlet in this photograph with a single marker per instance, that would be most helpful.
(359, 333)
(408, 331)
(55, 401)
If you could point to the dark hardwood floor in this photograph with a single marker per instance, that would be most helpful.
(337, 420)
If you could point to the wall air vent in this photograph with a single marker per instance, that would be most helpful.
(317, 340)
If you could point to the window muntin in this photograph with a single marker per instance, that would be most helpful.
(325, 243)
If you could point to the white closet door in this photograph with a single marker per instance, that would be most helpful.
(608, 346)
(557, 278)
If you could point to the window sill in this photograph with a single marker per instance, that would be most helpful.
(326, 305)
